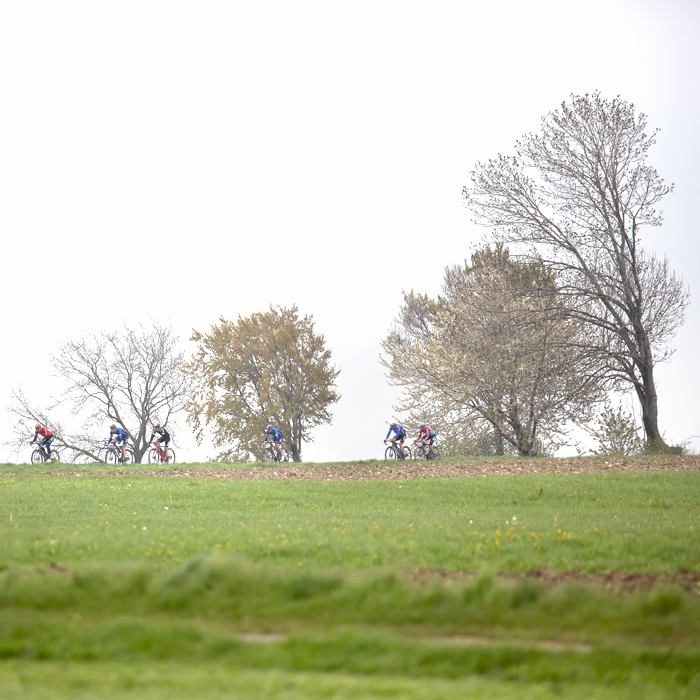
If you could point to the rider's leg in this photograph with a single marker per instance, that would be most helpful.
(47, 445)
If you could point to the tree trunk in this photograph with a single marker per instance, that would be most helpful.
(647, 396)
(648, 402)
(500, 447)
(295, 447)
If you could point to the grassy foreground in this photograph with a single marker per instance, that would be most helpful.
(136, 586)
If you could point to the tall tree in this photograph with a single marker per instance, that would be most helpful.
(133, 377)
(578, 195)
(474, 356)
(265, 368)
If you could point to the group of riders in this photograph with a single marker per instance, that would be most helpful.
(117, 436)
(120, 438)
(426, 435)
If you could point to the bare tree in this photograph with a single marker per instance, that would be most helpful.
(133, 378)
(578, 195)
(476, 360)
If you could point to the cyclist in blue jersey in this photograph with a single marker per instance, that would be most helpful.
(119, 436)
(275, 434)
(400, 437)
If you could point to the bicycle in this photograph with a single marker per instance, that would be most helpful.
(114, 454)
(270, 454)
(157, 454)
(39, 454)
(392, 452)
(421, 450)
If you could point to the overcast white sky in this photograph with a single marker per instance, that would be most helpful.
(301, 152)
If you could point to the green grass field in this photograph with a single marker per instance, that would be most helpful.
(136, 586)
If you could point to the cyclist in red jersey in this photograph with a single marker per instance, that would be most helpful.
(46, 434)
(427, 434)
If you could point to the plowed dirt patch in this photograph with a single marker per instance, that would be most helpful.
(614, 580)
(433, 470)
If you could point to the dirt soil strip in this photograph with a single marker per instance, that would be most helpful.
(616, 581)
(399, 471)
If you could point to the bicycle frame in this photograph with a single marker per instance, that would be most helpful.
(159, 451)
(41, 449)
(424, 447)
(270, 448)
(117, 450)
(401, 452)
(112, 446)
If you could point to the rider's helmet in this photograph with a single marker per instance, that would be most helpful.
(37, 426)
(422, 425)
(113, 427)
(156, 426)
(269, 428)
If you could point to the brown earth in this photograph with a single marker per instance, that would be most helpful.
(431, 470)
(616, 581)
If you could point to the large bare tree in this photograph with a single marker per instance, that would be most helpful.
(482, 357)
(265, 368)
(578, 195)
(132, 377)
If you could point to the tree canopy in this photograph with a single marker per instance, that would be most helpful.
(474, 357)
(266, 368)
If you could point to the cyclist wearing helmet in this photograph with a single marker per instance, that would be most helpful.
(275, 434)
(163, 438)
(427, 434)
(400, 436)
(46, 434)
(119, 436)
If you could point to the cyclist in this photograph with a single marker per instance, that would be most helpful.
(163, 438)
(46, 434)
(427, 434)
(399, 436)
(119, 436)
(275, 434)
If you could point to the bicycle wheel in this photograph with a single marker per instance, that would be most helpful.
(37, 456)
(390, 453)
(130, 457)
(153, 455)
(111, 457)
(171, 455)
(436, 452)
(268, 455)
(406, 452)
(55, 456)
